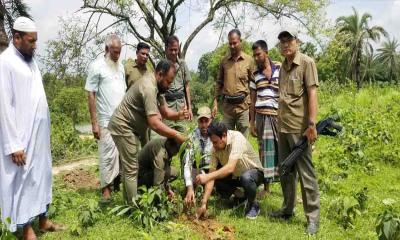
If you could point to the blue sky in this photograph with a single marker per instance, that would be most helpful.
(384, 12)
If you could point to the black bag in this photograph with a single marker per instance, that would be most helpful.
(237, 99)
(173, 96)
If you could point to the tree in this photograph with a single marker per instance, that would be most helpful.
(9, 10)
(332, 61)
(160, 17)
(359, 36)
(70, 54)
(389, 57)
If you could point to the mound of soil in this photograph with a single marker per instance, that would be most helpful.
(209, 228)
(80, 178)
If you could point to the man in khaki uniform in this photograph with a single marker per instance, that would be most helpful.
(297, 113)
(155, 163)
(136, 69)
(232, 85)
(240, 167)
(142, 107)
(178, 94)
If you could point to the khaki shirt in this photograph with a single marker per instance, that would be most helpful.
(141, 100)
(234, 78)
(133, 73)
(182, 77)
(294, 80)
(237, 147)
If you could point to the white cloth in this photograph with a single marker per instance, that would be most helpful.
(108, 158)
(110, 88)
(201, 144)
(24, 125)
(24, 24)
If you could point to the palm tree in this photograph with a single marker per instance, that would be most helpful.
(359, 36)
(9, 10)
(389, 57)
(371, 67)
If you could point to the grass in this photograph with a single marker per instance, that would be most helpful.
(365, 157)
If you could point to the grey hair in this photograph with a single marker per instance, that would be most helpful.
(111, 38)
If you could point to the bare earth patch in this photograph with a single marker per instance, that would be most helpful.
(209, 228)
(80, 178)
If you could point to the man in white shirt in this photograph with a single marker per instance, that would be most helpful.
(106, 87)
(25, 154)
(200, 148)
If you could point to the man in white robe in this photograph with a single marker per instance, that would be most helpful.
(25, 155)
(106, 87)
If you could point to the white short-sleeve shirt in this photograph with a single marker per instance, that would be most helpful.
(110, 87)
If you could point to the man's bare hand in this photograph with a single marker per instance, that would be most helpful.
(201, 179)
(189, 199)
(180, 138)
(96, 131)
(201, 211)
(19, 158)
(183, 114)
(311, 134)
(253, 130)
(171, 195)
(190, 114)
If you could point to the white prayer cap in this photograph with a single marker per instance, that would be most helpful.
(24, 24)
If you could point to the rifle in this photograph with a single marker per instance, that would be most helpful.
(323, 128)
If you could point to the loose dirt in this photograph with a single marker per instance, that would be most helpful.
(209, 228)
(80, 178)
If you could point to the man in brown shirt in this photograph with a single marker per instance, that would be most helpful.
(232, 85)
(135, 69)
(178, 94)
(297, 113)
(142, 107)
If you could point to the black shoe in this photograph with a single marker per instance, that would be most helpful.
(312, 228)
(281, 215)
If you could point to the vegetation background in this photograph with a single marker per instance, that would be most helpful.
(358, 67)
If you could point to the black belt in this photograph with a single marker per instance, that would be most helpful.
(174, 96)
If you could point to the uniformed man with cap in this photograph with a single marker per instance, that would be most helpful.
(297, 115)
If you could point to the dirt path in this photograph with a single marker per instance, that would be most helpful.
(87, 162)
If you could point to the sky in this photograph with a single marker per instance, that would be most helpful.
(46, 13)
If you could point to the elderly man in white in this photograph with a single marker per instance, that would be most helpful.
(106, 87)
(25, 155)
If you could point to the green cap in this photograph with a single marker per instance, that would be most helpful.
(204, 112)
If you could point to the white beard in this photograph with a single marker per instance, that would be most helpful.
(114, 66)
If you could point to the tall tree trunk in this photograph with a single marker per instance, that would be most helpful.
(3, 33)
(357, 70)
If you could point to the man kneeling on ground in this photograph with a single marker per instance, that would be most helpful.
(155, 164)
(240, 167)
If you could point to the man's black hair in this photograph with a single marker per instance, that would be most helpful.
(260, 44)
(142, 45)
(235, 31)
(217, 128)
(172, 147)
(164, 66)
(170, 40)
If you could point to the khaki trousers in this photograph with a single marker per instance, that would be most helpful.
(237, 121)
(304, 168)
(128, 148)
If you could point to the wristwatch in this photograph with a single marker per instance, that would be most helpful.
(311, 124)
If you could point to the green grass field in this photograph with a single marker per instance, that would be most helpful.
(362, 163)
